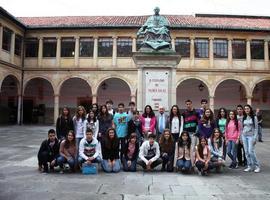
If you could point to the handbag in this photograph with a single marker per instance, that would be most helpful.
(89, 169)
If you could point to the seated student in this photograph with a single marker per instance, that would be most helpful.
(48, 152)
(130, 153)
(166, 144)
(203, 157)
(89, 149)
(149, 156)
(110, 152)
(68, 152)
(183, 152)
(216, 149)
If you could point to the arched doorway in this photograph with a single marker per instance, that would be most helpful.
(229, 94)
(115, 89)
(192, 89)
(261, 100)
(9, 100)
(38, 102)
(75, 92)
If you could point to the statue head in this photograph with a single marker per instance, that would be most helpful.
(156, 10)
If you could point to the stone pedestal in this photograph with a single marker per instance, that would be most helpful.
(156, 79)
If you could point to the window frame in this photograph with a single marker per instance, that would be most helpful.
(6, 46)
(253, 49)
(108, 42)
(220, 46)
(34, 42)
(125, 49)
(49, 40)
(70, 46)
(196, 42)
(89, 40)
(184, 41)
(18, 47)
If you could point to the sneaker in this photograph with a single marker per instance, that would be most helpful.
(257, 169)
(231, 166)
(236, 166)
(61, 172)
(248, 169)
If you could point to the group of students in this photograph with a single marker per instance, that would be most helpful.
(125, 139)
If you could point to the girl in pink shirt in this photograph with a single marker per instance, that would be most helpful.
(232, 135)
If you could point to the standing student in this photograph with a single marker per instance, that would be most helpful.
(68, 152)
(104, 120)
(260, 120)
(80, 122)
(120, 124)
(132, 108)
(167, 148)
(249, 137)
(135, 126)
(149, 155)
(241, 157)
(204, 105)
(174, 122)
(203, 157)
(148, 120)
(191, 119)
(110, 152)
(109, 105)
(221, 124)
(232, 137)
(93, 123)
(130, 153)
(215, 143)
(64, 124)
(95, 109)
(48, 152)
(161, 121)
(89, 150)
(183, 152)
(206, 124)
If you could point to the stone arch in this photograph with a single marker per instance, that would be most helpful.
(26, 81)
(17, 81)
(257, 82)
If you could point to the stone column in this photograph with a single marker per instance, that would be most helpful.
(114, 53)
(230, 58)
(95, 52)
(266, 55)
(58, 52)
(134, 44)
(173, 43)
(94, 98)
(56, 107)
(1, 38)
(76, 54)
(19, 109)
(249, 100)
(40, 51)
(211, 52)
(248, 53)
(139, 91)
(192, 52)
(133, 98)
(173, 89)
(12, 48)
(212, 103)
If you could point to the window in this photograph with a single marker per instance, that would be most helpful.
(239, 49)
(201, 48)
(7, 33)
(86, 47)
(67, 47)
(182, 46)
(18, 45)
(31, 47)
(257, 49)
(220, 48)
(124, 47)
(139, 42)
(49, 47)
(105, 46)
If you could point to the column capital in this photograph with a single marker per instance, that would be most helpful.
(58, 37)
(192, 37)
(266, 40)
(229, 38)
(248, 39)
(249, 96)
(40, 37)
(95, 37)
(77, 37)
(211, 38)
(114, 37)
(134, 37)
(94, 95)
(211, 96)
(56, 95)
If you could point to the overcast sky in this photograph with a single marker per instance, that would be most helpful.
(21, 8)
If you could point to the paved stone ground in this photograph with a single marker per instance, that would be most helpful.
(20, 179)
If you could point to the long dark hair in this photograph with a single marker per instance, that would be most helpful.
(219, 113)
(199, 146)
(219, 138)
(178, 113)
(205, 119)
(67, 142)
(103, 115)
(162, 138)
(62, 113)
(111, 143)
(89, 118)
(181, 141)
(77, 113)
(251, 114)
(151, 114)
(166, 146)
(235, 119)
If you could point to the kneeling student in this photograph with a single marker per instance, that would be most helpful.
(89, 149)
(48, 152)
(149, 156)
(130, 153)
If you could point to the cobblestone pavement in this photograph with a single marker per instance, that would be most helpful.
(20, 179)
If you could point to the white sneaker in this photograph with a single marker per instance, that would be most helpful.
(248, 169)
(257, 169)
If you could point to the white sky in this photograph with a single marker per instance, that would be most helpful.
(21, 8)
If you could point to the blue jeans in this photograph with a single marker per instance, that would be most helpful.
(107, 168)
(232, 151)
(82, 160)
(259, 132)
(183, 164)
(78, 140)
(248, 142)
(71, 162)
(132, 167)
